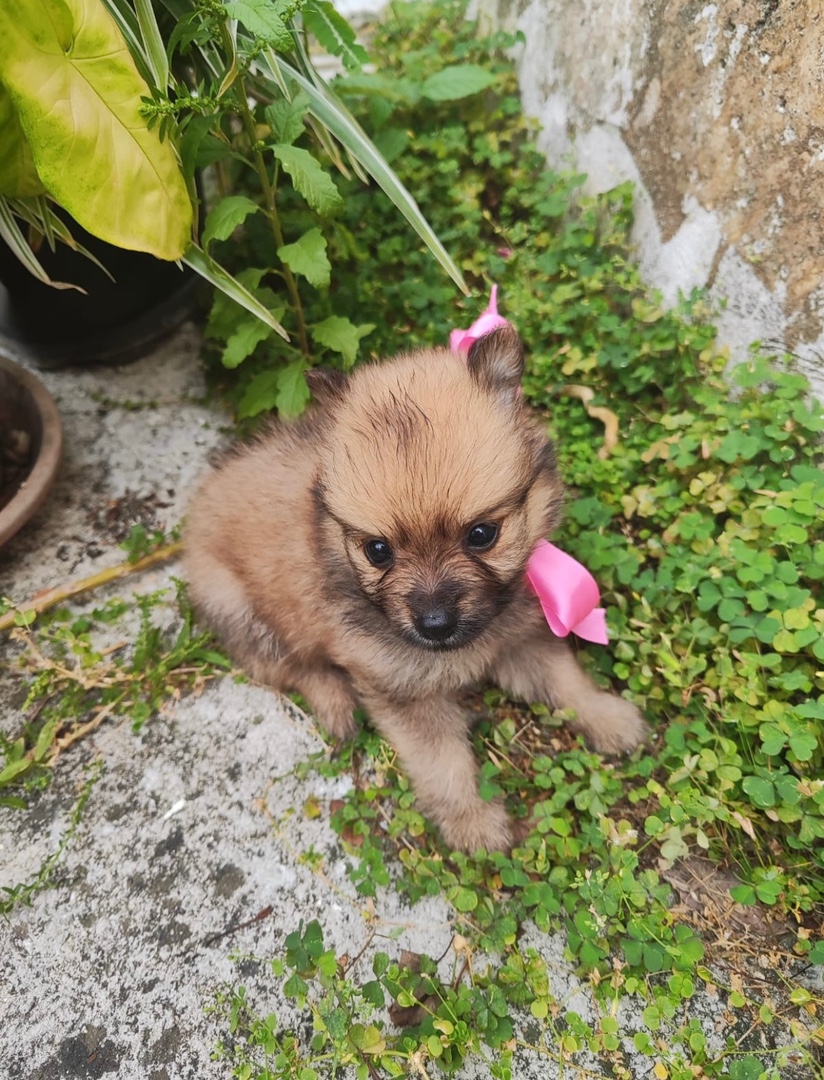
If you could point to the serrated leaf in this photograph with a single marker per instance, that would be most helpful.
(307, 256)
(225, 217)
(309, 178)
(333, 114)
(243, 341)
(77, 94)
(457, 81)
(261, 19)
(342, 336)
(286, 118)
(334, 33)
(260, 395)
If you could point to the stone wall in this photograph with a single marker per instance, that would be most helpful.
(716, 112)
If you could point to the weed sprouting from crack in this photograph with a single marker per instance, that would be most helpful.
(24, 892)
(120, 660)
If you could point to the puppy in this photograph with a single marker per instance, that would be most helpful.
(373, 554)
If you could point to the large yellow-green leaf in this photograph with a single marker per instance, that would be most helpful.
(18, 176)
(77, 94)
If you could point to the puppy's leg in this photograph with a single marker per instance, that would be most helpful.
(220, 597)
(432, 741)
(544, 669)
(329, 693)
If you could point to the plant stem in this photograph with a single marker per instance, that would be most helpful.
(53, 597)
(271, 209)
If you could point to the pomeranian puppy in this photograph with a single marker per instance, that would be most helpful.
(373, 554)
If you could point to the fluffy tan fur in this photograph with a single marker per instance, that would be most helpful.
(415, 454)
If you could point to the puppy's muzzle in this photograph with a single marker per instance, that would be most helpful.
(438, 624)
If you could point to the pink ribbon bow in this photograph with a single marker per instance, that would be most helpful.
(567, 592)
(489, 320)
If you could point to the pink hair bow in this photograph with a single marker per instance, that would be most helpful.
(489, 320)
(567, 592)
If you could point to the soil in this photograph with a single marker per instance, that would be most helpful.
(17, 443)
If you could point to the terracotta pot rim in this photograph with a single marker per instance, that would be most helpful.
(37, 484)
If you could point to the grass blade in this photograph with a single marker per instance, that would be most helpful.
(155, 52)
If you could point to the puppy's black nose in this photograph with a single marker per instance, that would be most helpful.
(438, 624)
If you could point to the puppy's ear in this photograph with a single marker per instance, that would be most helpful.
(327, 384)
(496, 362)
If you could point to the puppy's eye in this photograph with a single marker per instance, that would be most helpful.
(378, 552)
(482, 536)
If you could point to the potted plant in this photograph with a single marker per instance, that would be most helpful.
(108, 108)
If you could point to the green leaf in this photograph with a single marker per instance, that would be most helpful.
(231, 287)
(44, 739)
(307, 256)
(342, 336)
(773, 739)
(333, 114)
(746, 1068)
(261, 18)
(14, 769)
(803, 745)
(785, 642)
(260, 395)
(367, 1039)
(334, 33)
(225, 217)
(464, 899)
(243, 341)
(760, 790)
(457, 81)
(743, 894)
(77, 94)
(18, 175)
(768, 892)
(309, 178)
(11, 233)
(286, 118)
(293, 393)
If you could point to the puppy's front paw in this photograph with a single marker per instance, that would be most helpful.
(483, 825)
(613, 725)
(339, 724)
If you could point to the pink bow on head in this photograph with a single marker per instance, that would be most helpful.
(567, 592)
(489, 320)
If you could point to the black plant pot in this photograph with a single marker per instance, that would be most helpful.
(114, 322)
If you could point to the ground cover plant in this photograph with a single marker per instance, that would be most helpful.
(696, 498)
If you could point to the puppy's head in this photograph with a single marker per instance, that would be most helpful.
(435, 485)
